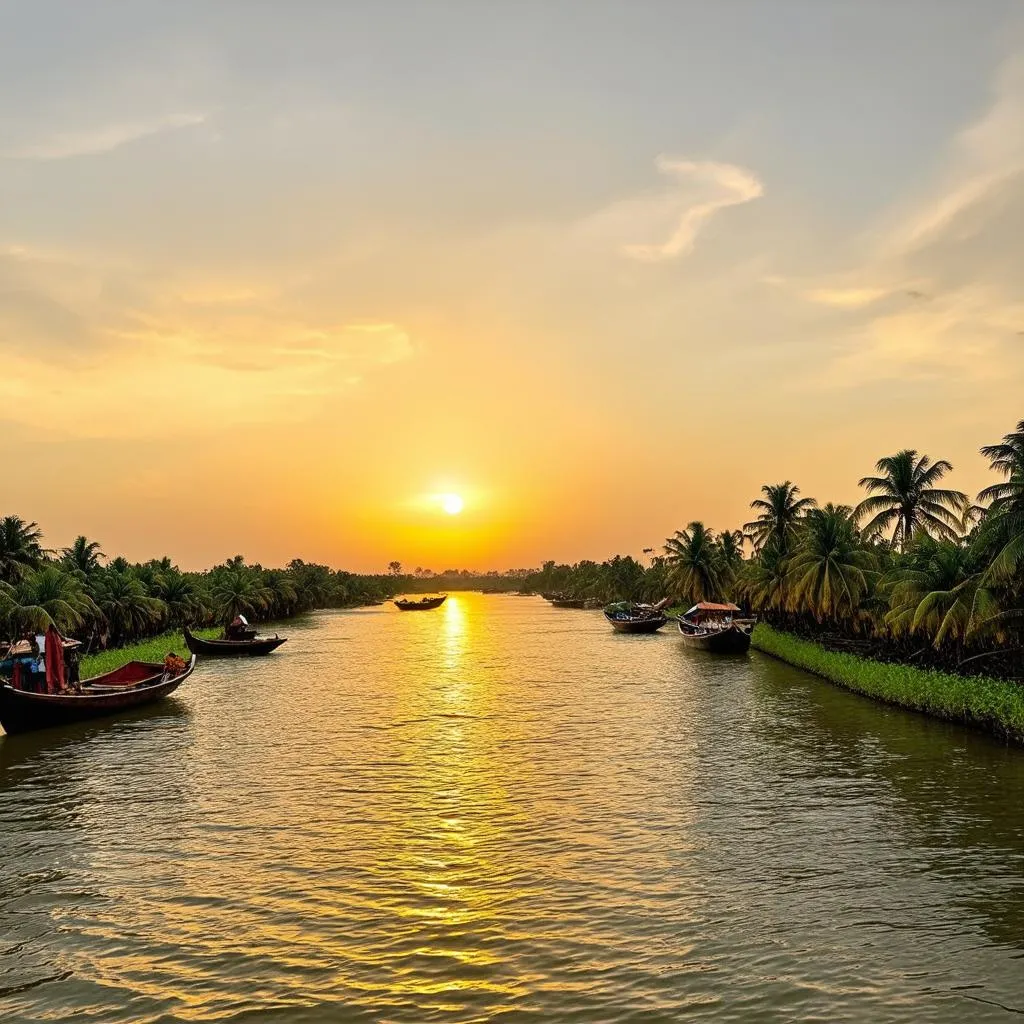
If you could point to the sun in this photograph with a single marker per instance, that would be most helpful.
(451, 503)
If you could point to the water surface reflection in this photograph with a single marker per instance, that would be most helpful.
(502, 811)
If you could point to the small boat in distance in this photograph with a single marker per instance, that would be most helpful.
(568, 602)
(423, 604)
(713, 627)
(630, 617)
(130, 686)
(240, 640)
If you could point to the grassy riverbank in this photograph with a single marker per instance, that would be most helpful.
(991, 704)
(154, 649)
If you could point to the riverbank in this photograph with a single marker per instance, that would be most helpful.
(995, 705)
(155, 649)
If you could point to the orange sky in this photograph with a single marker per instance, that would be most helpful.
(268, 282)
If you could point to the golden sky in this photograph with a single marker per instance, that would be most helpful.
(271, 277)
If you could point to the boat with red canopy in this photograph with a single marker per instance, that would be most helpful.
(709, 626)
(38, 700)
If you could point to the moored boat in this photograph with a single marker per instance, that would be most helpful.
(630, 617)
(231, 647)
(423, 604)
(568, 602)
(713, 627)
(129, 686)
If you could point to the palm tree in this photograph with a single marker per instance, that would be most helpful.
(20, 548)
(695, 563)
(829, 572)
(938, 592)
(905, 500)
(83, 555)
(46, 597)
(181, 596)
(1002, 530)
(780, 512)
(764, 580)
(730, 544)
(238, 592)
(128, 609)
(284, 596)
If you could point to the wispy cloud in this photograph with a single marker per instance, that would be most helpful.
(664, 225)
(102, 138)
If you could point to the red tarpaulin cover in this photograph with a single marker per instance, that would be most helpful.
(54, 661)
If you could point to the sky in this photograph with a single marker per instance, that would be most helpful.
(274, 276)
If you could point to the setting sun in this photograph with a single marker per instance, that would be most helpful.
(452, 504)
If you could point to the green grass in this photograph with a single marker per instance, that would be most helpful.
(155, 649)
(991, 704)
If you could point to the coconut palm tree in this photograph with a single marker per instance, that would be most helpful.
(730, 544)
(84, 556)
(695, 563)
(829, 572)
(938, 593)
(47, 597)
(904, 499)
(780, 512)
(1001, 532)
(238, 591)
(20, 548)
(284, 595)
(182, 597)
(128, 609)
(763, 581)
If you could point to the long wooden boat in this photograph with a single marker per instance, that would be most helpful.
(723, 638)
(568, 602)
(232, 648)
(424, 604)
(130, 686)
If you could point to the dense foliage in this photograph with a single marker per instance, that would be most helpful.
(116, 603)
(914, 572)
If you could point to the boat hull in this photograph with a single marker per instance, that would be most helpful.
(421, 606)
(233, 648)
(568, 602)
(22, 712)
(651, 625)
(733, 640)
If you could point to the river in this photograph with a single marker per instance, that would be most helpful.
(499, 811)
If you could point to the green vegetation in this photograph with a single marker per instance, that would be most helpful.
(154, 650)
(119, 603)
(915, 572)
(992, 704)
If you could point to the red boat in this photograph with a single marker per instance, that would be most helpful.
(130, 686)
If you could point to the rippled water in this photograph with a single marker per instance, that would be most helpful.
(502, 811)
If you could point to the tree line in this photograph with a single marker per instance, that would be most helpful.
(115, 602)
(915, 571)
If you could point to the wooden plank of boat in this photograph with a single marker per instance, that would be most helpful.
(130, 686)
(424, 604)
(733, 638)
(636, 624)
(232, 648)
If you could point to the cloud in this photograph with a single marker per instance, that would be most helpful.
(934, 285)
(101, 139)
(664, 225)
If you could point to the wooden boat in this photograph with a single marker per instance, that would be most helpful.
(628, 617)
(129, 686)
(223, 648)
(423, 604)
(567, 602)
(713, 627)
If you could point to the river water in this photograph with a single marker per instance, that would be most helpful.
(500, 811)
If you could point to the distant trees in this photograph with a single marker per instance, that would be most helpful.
(119, 602)
(915, 570)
